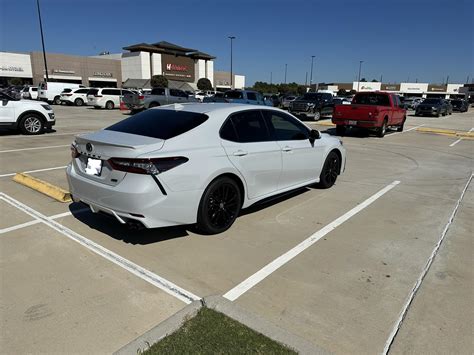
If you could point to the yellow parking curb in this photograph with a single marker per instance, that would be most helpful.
(446, 132)
(324, 123)
(44, 187)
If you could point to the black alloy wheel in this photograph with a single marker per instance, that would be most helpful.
(330, 171)
(220, 205)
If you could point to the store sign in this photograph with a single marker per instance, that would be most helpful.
(391, 87)
(63, 71)
(178, 68)
(11, 68)
(437, 88)
(102, 74)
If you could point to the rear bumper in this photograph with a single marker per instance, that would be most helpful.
(356, 123)
(136, 198)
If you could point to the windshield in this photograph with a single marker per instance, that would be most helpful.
(162, 124)
(65, 91)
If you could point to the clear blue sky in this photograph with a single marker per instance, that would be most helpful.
(421, 39)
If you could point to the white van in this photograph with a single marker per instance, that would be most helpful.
(51, 91)
(108, 98)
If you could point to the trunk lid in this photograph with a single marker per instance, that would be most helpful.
(356, 112)
(103, 145)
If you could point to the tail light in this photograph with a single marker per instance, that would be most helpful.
(67, 94)
(141, 97)
(152, 166)
(74, 152)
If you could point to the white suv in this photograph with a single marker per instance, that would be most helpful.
(30, 92)
(77, 97)
(108, 98)
(30, 117)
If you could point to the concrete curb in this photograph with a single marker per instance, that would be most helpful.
(44, 187)
(230, 309)
(167, 327)
(446, 132)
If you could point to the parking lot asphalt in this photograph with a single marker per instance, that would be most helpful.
(343, 290)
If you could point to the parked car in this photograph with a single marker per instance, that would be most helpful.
(30, 117)
(285, 102)
(51, 91)
(29, 93)
(199, 163)
(273, 98)
(460, 105)
(312, 105)
(340, 101)
(108, 98)
(200, 95)
(157, 97)
(77, 97)
(432, 107)
(246, 97)
(217, 97)
(371, 110)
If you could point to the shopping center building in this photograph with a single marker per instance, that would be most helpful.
(133, 68)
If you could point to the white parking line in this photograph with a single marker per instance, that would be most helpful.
(406, 130)
(144, 274)
(32, 223)
(36, 148)
(460, 139)
(36, 171)
(254, 279)
(47, 135)
(420, 279)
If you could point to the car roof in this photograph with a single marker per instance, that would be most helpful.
(209, 107)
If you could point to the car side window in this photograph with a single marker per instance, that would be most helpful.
(284, 127)
(227, 131)
(250, 127)
(157, 91)
(174, 92)
(82, 91)
(251, 96)
(107, 92)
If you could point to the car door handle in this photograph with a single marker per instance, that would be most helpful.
(286, 149)
(240, 153)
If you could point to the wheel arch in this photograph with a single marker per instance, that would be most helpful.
(339, 154)
(238, 181)
(36, 113)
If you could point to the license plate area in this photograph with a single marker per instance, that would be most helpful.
(352, 123)
(93, 167)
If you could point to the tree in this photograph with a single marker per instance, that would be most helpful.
(341, 92)
(204, 84)
(352, 92)
(158, 81)
(375, 81)
(363, 80)
(15, 81)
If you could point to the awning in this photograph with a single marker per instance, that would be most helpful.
(137, 83)
(182, 85)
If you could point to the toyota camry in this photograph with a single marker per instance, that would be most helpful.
(198, 163)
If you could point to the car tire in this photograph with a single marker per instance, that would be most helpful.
(437, 114)
(402, 125)
(219, 207)
(109, 105)
(31, 124)
(340, 130)
(153, 104)
(57, 100)
(330, 171)
(382, 130)
(317, 116)
(78, 102)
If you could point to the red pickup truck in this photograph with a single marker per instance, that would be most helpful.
(371, 110)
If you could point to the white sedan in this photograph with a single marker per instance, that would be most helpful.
(198, 163)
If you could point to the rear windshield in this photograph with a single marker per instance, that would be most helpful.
(233, 95)
(371, 99)
(432, 101)
(159, 123)
(67, 90)
(93, 92)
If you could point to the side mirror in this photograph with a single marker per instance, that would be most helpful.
(313, 135)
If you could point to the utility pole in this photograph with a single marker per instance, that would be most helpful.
(311, 75)
(381, 77)
(467, 80)
(447, 80)
(358, 80)
(231, 73)
(286, 67)
(42, 41)
(306, 80)
(271, 78)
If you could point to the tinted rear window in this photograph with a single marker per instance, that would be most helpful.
(93, 92)
(157, 91)
(158, 123)
(233, 95)
(371, 99)
(432, 101)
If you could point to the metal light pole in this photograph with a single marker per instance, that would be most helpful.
(306, 80)
(358, 80)
(231, 74)
(311, 75)
(271, 78)
(286, 67)
(42, 41)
